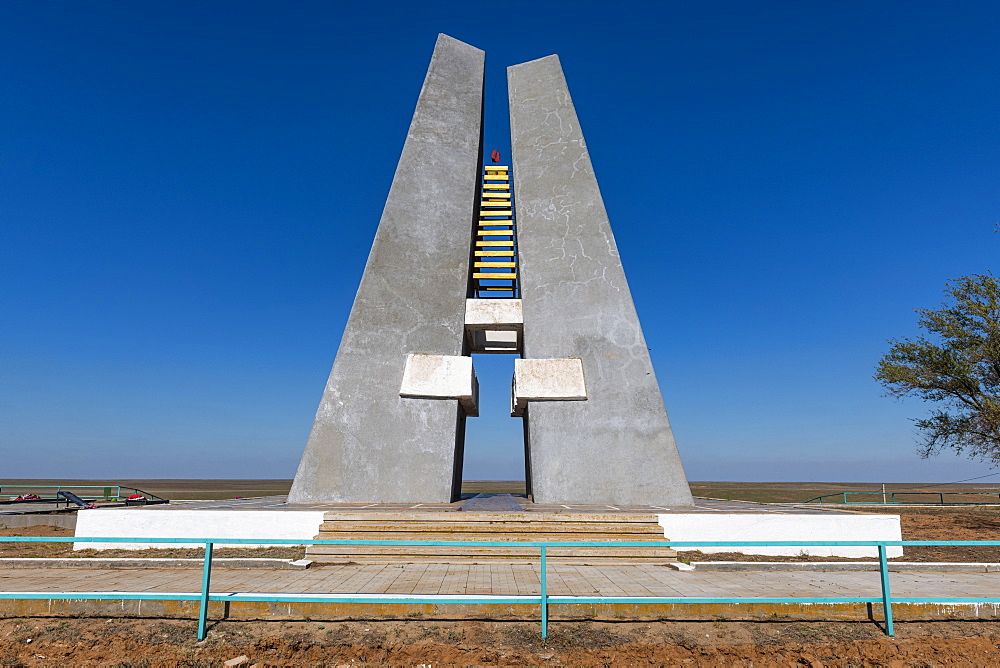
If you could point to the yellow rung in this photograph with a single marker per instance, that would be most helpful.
(496, 186)
(487, 202)
(509, 253)
(500, 277)
(497, 265)
(495, 233)
(495, 177)
(491, 167)
(495, 223)
(497, 196)
(484, 244)
(498, 212)
(498, 288)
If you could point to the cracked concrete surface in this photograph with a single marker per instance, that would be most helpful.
(617, 446)
(368, 443)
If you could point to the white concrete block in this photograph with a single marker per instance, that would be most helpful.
(790, 526)
(493, 314)
(546, 380)
(168, 523)
(441, 377)
(493, 341)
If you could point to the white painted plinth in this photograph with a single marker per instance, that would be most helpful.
(775, 527)
(296, 525)
(162, 523)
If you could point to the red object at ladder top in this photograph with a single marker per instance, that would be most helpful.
(495, 155)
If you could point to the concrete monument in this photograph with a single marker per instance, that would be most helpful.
(368, 442)
(617, 446)
(451, 275)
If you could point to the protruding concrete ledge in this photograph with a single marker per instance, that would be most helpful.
(546, 380)
(493, 325)
(441, 377)
(499, 314)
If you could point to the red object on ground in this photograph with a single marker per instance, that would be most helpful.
(495, 155)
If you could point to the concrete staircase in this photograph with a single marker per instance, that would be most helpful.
(507, 527)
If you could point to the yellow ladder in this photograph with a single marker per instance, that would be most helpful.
(495, 257)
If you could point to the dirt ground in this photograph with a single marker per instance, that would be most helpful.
(129, 643)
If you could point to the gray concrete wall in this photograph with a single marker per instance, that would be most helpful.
(368, 443)
(617, 446)
(64, 520)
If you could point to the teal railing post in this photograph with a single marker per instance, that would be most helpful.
(845, 497)
(886, 595)
(545, 596)
(206, 581)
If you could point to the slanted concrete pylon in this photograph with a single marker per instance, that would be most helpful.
(616, 446)
(369, 443)
(464, 263)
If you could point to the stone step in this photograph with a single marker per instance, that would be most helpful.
(458, 516)
(316, 551)
(507, 527)
(514, 535)
(572, 531)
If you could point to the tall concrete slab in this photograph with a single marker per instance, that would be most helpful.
(615, 447)
(368, 443)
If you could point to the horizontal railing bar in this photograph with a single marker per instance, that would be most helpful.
(702, 599)
(543, 598)
(279, 598)
(2, 487)
(98, 595)
(485, 543)
(382, 598)
(750, 599)
(484, 599)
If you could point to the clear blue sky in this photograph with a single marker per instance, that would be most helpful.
(188, 191)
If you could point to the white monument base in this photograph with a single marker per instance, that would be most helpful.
(296, 525)
(785, 526)
(167, 523)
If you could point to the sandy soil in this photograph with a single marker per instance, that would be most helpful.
(149, 643)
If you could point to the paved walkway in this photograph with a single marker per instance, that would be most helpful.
(507, 579)
(700, 506)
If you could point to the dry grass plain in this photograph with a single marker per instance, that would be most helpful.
(760, 492)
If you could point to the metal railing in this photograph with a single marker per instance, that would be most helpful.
(543, 599)
(888, 497)
(108, 492)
